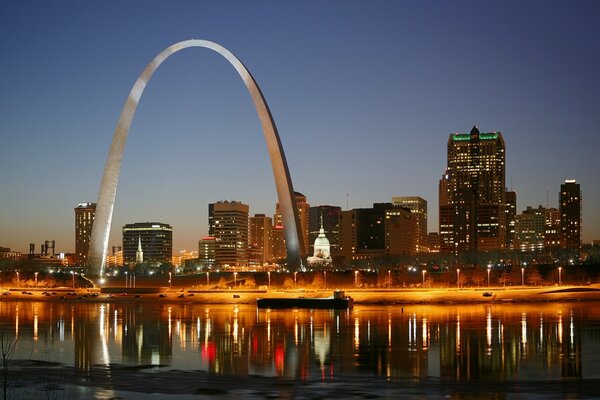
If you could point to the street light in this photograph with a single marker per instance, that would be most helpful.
(559, 276)
(325, 278)
(207, 278)
(389, 279)
(126, 279)
(73, 275)
(36, 274)
(235, 279)
(522, 276)
(423, 278)
(295, 276)
(457, 278)
(355, 278)
(18, 283)
(269, 275)
(489, 276)
(169, 280)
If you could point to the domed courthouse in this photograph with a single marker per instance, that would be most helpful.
(322, 250)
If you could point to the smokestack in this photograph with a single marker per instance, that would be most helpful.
(31, 249)
(53, 248)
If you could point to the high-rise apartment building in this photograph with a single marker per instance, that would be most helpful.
(570, 214)
(331, 220)
(474, 186)
(418, 207)
(261, 238)
(228, 223)
(84, 221)
(303, 208)
(156, 241)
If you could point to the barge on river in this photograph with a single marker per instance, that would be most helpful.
(338, 301)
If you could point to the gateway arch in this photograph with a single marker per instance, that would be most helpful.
(108, 188)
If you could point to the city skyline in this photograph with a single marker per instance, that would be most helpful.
(364, 101)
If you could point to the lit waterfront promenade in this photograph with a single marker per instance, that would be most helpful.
(361, 296)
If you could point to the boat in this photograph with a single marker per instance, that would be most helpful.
(338, 301)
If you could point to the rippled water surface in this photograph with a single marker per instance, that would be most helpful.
(449, 346)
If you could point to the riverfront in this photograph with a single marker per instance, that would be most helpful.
(360, 296)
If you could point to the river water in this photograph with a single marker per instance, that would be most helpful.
(118, 350)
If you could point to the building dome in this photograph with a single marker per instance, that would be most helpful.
(321, 246)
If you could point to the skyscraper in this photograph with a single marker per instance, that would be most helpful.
(418, 207)
(84, 220)
(303, 208)
(261, 238)
(156, 241)
(570, 214)
(229, 225)
(475, 183)
(510, 213)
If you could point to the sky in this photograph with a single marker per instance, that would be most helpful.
(364, 95)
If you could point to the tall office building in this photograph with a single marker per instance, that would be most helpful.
(155, 238)
(278, 235)
(552, 239)
(229, 225)
(530, 227)
(303, 208)
(475, 184)
(570, 214)
(418, 207)
(401, 232)
(510, 213)
(206, 251)
(446, 216)
(84, 221)
(331, 220)
(261, 238)
(368, 233)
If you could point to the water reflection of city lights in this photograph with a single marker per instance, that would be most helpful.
(389, 331)
(560, 328)
(458, 333)
(356, 334)
(571, 329)
(35, 324)
(524, 328)
(488, 330)
(425, 334)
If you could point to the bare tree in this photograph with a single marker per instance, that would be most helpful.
(8, 343)
(505, 278)
(534, 277)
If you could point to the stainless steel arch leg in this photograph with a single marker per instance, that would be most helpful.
(108, 188)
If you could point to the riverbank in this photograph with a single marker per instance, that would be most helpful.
(360, 296)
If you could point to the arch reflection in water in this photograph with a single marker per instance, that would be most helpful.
(456, 343)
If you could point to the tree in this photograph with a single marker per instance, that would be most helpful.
(505, 278)
(288, 283)
(534, 277)
(250, 282)
(478, 277)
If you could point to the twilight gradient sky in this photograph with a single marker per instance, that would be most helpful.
(364, 94)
